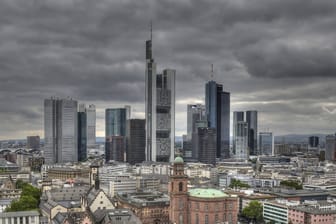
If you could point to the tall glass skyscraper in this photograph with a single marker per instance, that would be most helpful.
(115, 122)
(136, 141)
(217, 105)
(82, 133)
(115, 134)
(252, 121)
(160, 110)
(238, 116)
(91, 125)
(266, 143)
(60, 130)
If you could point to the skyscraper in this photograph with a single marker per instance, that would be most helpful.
(207, 145)
(115, 132)
(241, 140)
(217, 105)
(82, 133)
(266, 143)
(238, 116)
(91, 125)
(195, 115)
(252, 122)
(135, 140)
(330, 151)
(160, 110)
(60, 130)
(33, 142)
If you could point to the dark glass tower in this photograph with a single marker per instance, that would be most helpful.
(252, 122)
(207, 145)
(135, 141)
(82, 136)
(217, 106)
(115, 132)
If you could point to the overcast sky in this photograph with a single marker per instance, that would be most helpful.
(274, 56)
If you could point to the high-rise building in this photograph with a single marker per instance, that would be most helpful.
(238, 116)
(195, 115)
(313, 141)
(91, 125)
(82, 133)
(207, 145)
(195, 112)
(135, 140)
(60, 131)
(252, 122)
(217, 105)
(115, 148)
(33, 142)
(330, 151)
(160, 110)
(241, 139)
(266, 143)
(115, 132)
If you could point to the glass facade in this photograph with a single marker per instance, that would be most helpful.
(252, 121)
(217, 105)
(115, 122)
(82, 136)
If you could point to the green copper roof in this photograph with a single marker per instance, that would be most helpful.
(178, 160)
(206, 193)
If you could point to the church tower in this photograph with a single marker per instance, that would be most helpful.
(178, 192)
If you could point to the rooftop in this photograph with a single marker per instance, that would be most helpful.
(178, 160)
(207, 193)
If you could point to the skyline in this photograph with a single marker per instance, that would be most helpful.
(274, 57)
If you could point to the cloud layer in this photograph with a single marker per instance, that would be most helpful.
(277, 57)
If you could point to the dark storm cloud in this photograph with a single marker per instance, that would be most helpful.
(274, 56)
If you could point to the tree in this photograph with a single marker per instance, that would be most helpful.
(29, 200)
(253, 211)
(238, 184)
(291, 184)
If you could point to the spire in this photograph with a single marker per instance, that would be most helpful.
(151, 31)
(212, 72)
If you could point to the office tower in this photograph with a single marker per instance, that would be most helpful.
(60, 131)
(237, 117)
(207, 145)
(33, 142)
(91, 125)
(135, 141)
(115, 126)
(195, 113)
(195, 140)
(266, 143)
(252, 122)
(313, 141)
(128, 112)
(82, 133)
(330, 151)
(160, 110)
(241, 140)
(115, 148)
(217, 105)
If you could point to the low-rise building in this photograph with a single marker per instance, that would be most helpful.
(277, 211)
(25, 217)
(315, 213)
(150, 207)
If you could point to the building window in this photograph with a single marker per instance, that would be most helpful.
(196, 222)
(180, 186)
(181, 203)
(206, 207)
(206, 219)
(216, 218)
(197, 206)
(181, 218)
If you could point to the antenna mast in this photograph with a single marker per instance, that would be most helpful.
(212, 72)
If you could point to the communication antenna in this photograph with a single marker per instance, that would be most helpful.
(212, 72)
(151, 30)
